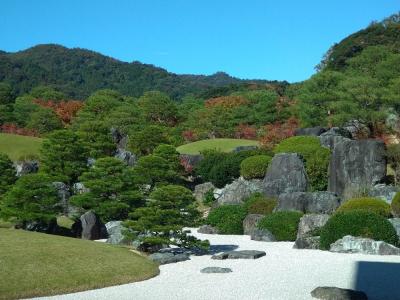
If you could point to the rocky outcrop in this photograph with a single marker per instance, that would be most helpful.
(63, 194)
(357, 129)
(334, 136)
(201, 190)
(238, 191)
(207, 229)
(384, 192)
(262, 235)
(250, 223)
(307, 242)
(396, 224)
(243, 254)
(335, 293)
(127, 157)
(356, 165)
(79, 188)
(26, 167)
(316, 202)
(313, 131)
(351, 244)
(209, 270)
(115, 233)
(168, 257)
(285, 174)
(119, 138)
(306, 238)
(92, 227)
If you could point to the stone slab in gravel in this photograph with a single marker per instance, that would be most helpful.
(351, 244)
(243, 254)
(215, 270)
(263, 235)
(168, 258)
(335, 293)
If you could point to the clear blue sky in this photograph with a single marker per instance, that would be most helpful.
(268, 39)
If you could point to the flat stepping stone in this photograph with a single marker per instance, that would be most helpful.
(335, 293)
(242, 254)
(216, 270)
(168, 258)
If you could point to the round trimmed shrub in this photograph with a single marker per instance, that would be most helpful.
(316, 158)
(375, 205)
(228, 219)
(359, 223)
(259, 204)
(396, 205)
(282, 224)
(255, 166)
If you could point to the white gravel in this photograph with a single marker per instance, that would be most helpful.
(284, 273)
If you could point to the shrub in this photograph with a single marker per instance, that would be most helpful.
(282, 224)
(359, 223)
(228, 219)
(316, 158)
(209, 197)
(375, 205)
(396, 205)
(259, 204)
(255, 166)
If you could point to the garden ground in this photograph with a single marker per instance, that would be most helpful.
(284, 273)
(225, 145)
(18, 146)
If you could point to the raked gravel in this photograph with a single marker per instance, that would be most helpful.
(284, 273)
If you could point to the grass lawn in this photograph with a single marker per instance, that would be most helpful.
(225, 145)
(17, 146)
(35, 264)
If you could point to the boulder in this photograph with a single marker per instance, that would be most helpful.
(315, 202)
(309, 223)
(384, 192)
(92, 227)
(313, 131)
(201, 190)
(40, 226)
(244, 148)
(285, 174)
(357, 129)
(209, 270)
(310, 242)
(335, 293)
(168, 257)
(115, 233)
(262, 235)
(242, 254)
(238, 191)
(351, 244)
(396, 224)
(250, 223)
(79, 188)
(207, 229)
(334, 136)
(356, 165)
(127, 157)
(90, 162)
(63, 194)
(26, 167)
(119, 138)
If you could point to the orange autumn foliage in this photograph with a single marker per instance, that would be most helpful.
(226, 101)
(278, 131)
(244, 131)
(65, 110)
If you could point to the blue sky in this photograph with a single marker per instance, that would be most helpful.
(268, 39)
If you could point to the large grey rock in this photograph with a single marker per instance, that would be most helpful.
(262, 235)
(238, 191)
(285, 174)
(313, 131)
(127, 157)
(201, 190)
(119, 138)
(242, 254)
(315, 202)
(384, 192)
(209, 270)
(309, 242)
(335, 293)
(356, 165)
(357, 129)
(63, 194)
(351, 244)
(309, 223)
(26, 167)
(79, 188)
(92, 227)
(250, 223)
(168, 257)
(396, 224)
(115, 233)
(207, 229)
(334, 136)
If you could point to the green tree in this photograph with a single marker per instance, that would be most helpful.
(7, 174)
(23, 108)
(158, 108)
(6, 94)
(144, 141)
(169, 153)
(44, 120)
(32, 198)
(46, 93)
(113, 190)
(64, 156)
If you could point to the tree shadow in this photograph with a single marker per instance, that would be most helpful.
(379, 280)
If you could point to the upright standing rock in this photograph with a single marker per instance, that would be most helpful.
(285, 174)
(91, 226)
(334, 136)
(238, 191)
(356, 165)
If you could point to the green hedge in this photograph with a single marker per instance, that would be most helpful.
(316, 158)
(359, 223)
(259, 204)
(375, 205)
(228, 219)
(282, 224)
(255, 166)
(396, 205)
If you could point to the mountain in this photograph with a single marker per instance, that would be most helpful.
(79, 72)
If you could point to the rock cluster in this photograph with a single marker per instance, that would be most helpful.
(351, 244)
(316, 202)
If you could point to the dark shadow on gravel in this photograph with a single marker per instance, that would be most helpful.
(214, 249)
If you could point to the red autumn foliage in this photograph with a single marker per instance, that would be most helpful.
(189, 136)
(244, 131)
(276, 132)
(65, 110)
(226, 101)
(185, 162)
(12, 128)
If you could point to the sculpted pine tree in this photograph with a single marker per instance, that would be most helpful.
(7, 174)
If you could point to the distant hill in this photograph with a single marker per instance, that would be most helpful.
(79, 72)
